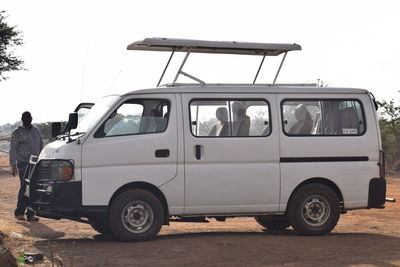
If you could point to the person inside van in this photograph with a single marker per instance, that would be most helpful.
(243, 124)
(235, 117)
(221, 127)
(304, 123)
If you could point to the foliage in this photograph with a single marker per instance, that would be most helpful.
(45, 130)
(389, 123)
(7, 129)
(9, 39)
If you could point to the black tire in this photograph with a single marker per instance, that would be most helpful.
(100, 226)
(314, 210)
(135, 215)
(273, 222)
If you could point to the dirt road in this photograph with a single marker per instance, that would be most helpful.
(362, 238)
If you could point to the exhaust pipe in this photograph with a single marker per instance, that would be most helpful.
(389, 199)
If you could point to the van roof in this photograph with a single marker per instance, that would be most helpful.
(218, 47)
(250, 89)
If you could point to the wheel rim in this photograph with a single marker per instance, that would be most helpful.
(137, 216)
(315, 210)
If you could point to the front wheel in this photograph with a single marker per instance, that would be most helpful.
(100, 226)
(135, 215)
(273, 222)
(314, 210)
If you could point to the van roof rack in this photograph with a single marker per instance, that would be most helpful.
(244, 84)
(212, 47)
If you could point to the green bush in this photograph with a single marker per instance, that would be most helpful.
(389, 123)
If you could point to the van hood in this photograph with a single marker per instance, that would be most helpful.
(51, 150)
(61, 149)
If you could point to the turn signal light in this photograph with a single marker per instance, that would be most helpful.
(66, 173)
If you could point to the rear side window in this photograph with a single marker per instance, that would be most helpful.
(229, 118)
(136, 116)
(323, 117)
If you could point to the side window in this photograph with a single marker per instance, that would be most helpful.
(323, 117)
(228, 117)
(136, 116)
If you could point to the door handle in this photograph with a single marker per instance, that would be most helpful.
(162, 153)
(198, 152)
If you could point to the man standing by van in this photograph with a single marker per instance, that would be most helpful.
(25, 141)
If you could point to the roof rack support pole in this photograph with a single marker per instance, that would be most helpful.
(202, 83)
(259, 68)
(280, 66)
(180, 68)
(165, 69)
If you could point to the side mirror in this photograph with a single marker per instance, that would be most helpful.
(55, 129)
(72, 121)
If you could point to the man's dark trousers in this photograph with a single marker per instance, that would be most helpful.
(23, 201)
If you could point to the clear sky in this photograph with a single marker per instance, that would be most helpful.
(76, 50)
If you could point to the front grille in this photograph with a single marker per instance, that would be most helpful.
(42, 170)
(40, 182)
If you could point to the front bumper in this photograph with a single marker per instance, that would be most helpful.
(58, 199)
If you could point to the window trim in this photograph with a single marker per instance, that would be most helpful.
(323, 99)
(132, 134)
(230, 99)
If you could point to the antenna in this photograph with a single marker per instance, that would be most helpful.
(113, 81)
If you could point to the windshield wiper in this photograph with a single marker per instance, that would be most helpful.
(77, 133)
(63, 136)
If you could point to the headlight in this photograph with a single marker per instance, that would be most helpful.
(62, 170)
(66, 173)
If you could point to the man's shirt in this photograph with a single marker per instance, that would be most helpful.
(24, 143)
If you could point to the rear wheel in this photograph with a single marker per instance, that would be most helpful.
(135, 215)
(273, 222)
(314, 210)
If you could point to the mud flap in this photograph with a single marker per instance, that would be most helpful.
(377, 193)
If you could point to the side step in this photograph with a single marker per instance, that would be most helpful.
(189, 219)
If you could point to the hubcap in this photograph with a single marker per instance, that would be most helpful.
(315, 210)
(137, 216)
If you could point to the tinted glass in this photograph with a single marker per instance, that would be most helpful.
(323, 117)
(136, 117)
(224, 117)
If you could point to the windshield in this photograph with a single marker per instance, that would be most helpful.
(95, 114)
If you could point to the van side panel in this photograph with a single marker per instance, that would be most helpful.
(350, 162)
(109, 163)
(234, 175)
(173, 190)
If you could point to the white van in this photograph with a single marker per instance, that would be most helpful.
(287, 155)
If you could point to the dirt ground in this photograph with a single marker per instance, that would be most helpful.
(361, 238)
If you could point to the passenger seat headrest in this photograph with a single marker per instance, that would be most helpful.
(241, 112)
(156, 113)
(301, 113)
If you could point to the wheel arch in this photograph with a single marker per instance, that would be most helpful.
(150, 188)
(320, 180)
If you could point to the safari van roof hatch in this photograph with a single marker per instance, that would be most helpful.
(212, 47)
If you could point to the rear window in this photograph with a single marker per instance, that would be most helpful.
(323, 117)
